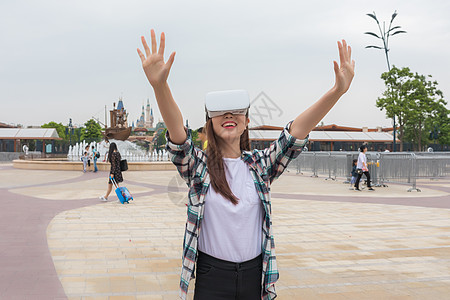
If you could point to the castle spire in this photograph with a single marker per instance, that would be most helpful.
(147, 115)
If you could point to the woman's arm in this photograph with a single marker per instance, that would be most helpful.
(344, 73)
(365, 162)
(157, 73)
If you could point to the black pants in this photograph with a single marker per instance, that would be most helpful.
(359, 178)
(220, 279)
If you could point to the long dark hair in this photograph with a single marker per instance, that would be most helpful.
(215, 162)
(362, 148)
(112, 147)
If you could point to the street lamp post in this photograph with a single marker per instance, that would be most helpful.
(384, 36)
(70, 131)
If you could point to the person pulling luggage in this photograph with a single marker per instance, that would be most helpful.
(115, 172)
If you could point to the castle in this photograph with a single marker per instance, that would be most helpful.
(146, 119)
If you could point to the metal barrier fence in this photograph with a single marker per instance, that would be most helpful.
(384, 167)
(398, 168)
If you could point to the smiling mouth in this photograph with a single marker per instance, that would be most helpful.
(229, 125)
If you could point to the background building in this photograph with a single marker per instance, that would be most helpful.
(329, 138)
(42, 139)
(146, 118)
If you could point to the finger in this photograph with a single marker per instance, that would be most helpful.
(162, 44)
(141, 55)
(353, 65)
(341, 54)
(153, 41)
(349, 53)
(336, 67)
(344, 49)
(170, 60)
(146, 48)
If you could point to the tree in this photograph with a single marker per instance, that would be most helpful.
(91, 132)
(441, 126)
(195, 139)
(417, 103)
(427, 103)
(396, 100)
(161, 140)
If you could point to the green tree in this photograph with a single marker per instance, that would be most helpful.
(195, 139)
(417, 103)
(427, 104)
(91, 132)
(161, 141)
(441, 123)
(396, 101)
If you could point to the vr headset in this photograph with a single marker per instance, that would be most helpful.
(236, 102)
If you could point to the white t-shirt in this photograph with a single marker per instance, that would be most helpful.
(362, 158)
(233, 232)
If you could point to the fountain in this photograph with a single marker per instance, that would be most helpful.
(138, 159)
(128, 150)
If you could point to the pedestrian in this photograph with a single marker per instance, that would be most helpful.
(89, 157)
(361, 168)
(354, 174)
(115, 171)
(85, 160)
(95, 156)
(202, 138)
(228, 242)
(106, 146)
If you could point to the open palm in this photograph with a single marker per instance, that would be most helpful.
(346, 70)
(153, 64)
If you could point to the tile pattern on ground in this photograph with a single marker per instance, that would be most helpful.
(325, 250)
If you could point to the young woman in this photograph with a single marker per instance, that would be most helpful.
(115, 172)
(228, 242)
(362, 164)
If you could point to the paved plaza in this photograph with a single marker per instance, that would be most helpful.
(58, 241)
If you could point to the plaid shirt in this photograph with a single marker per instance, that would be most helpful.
(265, 166)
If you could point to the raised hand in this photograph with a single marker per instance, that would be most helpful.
(345, 72)
(153, 62)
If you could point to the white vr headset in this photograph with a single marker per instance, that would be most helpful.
(219, 103)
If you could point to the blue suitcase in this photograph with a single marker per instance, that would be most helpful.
(122, 193)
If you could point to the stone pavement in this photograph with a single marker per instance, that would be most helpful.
(57, 241)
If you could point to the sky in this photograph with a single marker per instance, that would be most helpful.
(69, 59)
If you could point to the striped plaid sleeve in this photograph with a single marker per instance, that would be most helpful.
(281, 152)
(183, 156)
